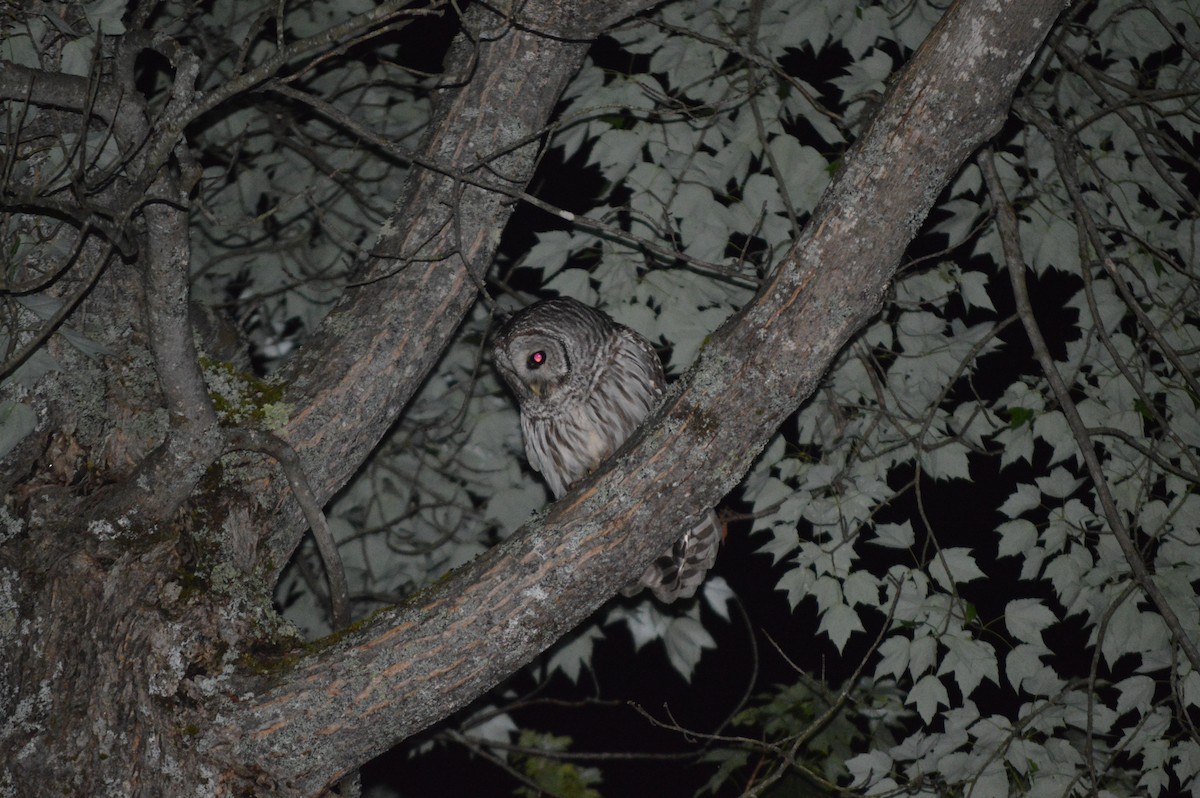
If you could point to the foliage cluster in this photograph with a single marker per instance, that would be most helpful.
(989, 512)
(933, 501)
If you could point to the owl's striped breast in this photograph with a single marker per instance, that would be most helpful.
(568, 444)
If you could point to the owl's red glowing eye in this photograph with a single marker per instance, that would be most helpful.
(537, 360)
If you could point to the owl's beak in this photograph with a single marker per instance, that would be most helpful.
(536, 387)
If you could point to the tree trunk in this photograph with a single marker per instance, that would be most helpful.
(144, 653)
(131, 634)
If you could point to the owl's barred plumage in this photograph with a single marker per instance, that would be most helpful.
(584, 383)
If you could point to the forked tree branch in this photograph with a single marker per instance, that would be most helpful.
(412, 665)
(166, 477)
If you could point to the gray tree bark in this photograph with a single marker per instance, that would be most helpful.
(124, 622)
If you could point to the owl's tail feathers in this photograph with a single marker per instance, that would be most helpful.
(680, 572)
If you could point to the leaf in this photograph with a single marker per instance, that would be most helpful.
(864, 77)
(717, 594)
(553, 775)
(806, 172)
(17, 420)
(575, 283)
(644, 622)
(947, 461)
(1053, 429)
(686, 639)
(618, 149)
(783, 541)
(19, 48)
(36, 366)
(871, 24)
(1024, 669)
(1059, 485)
(571, 657)
(105, 16)
(894, 536)
(1050, 242)
(839, 622)
(1017, 538)
(974, 290)
(797, 583)
(77, 57)
(1191, 689)
(1023, 499)
(922, 656)
(962, 216)
(969, 661)
(551, 252)
(1026, 618)
(869, 768)
(861, 588)
(1135, 692)
(511, 507)
(927, 695)
(1017, 441)
(44, 307)
(991, 783)
(893, 657)
(1132, 631)
(727, 762)
(954, 566)
(492, 726)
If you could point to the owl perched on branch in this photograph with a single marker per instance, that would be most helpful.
(584, 383)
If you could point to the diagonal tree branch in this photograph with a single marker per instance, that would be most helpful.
(381, 339)
(414, 664)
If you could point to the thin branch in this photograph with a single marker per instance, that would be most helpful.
(472, 178)
(823, 720)
(482, 748)
(14, 361)
(1090, 728)
(171, 123)
(268, 444)
(1168, 351)
(1006, 221)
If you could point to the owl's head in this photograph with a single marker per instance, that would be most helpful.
(534, 364)
(541, 348)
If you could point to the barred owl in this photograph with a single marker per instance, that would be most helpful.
(584, 383)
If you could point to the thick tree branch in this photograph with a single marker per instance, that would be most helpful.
(377, 345)
(126, 118)
(194, 439)
(415, 664)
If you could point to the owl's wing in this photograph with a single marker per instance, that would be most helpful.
(678, 574)
(641, 361)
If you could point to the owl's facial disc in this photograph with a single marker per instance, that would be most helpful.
(542, 364)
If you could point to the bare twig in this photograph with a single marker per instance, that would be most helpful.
(473, 178)
(171, 123)
(14, 361)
